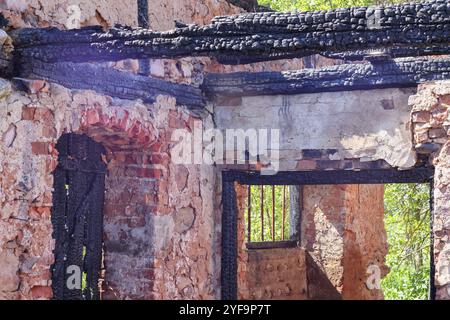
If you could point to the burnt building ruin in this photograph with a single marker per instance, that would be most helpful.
(96, 99)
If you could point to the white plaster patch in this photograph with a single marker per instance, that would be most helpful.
(372, 124)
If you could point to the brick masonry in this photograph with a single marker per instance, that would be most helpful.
(156, 220)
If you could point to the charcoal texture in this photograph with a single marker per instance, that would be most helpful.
(77, 216)
(262, 35)
(403, 72)
(396, 52)
(112, 82)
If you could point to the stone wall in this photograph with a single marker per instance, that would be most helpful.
(277, 274)
(158, 226)
(342, 237)
(162, 226)
(431, 128)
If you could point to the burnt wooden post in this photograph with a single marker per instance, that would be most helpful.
(143, 22)
(229, 241)
(77, 217)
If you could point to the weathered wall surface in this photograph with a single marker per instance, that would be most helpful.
(61, 14)
(343, 234)
(161, 238)
(158, 222)
(367, 125)
(277, 274)
(365, 241)
(431, 127)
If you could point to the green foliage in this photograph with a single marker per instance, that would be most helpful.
(313, 5)
(256, 213)
(407, 218)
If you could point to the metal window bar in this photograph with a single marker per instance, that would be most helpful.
(269, 210)
(262, 213)
(249, 213)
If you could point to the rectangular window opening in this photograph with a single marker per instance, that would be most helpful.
(272, 216)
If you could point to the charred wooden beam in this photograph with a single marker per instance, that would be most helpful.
(396, 52)
(404, 72)
(111, 82)
(262, 35)
(374, 176)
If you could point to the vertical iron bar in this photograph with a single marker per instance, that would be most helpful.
(262, 212)
(249, 214)
(284, 212)
(273, 213)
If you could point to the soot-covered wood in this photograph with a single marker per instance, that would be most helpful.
(403, 72)
(251, 37)
(115, 83)
(77, 216)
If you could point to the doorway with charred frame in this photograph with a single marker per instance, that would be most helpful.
(77, 218)
(331, 256)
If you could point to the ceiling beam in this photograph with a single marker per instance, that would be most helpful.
(251, 37)
(112, 82)
(403, 72)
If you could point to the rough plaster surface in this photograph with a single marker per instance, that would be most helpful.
(370, 125)
(277, 274)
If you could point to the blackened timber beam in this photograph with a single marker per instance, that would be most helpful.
(260, 35)
(396, 52)
(403, 72)
(144, 22)
(111, 82)
(375, 176)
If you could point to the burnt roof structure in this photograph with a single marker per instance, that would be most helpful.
(403, 72)
(266, 35)
(382, 32)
